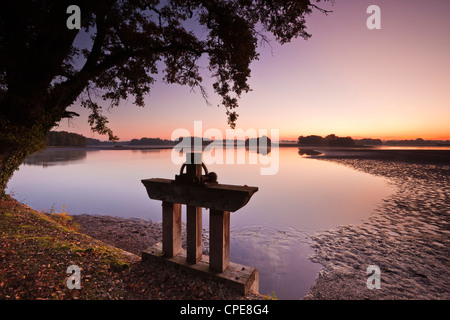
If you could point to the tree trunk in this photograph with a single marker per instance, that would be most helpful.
(10, 161)
(15, 145)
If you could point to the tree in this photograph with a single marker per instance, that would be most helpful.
(40, 74)
(312, 140)
(330, 140)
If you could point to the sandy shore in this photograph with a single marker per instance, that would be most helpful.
(407, 237)
(130, 234)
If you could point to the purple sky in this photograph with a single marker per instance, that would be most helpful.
(346, 79)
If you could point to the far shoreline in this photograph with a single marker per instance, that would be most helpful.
(100, 147)
(437, 155)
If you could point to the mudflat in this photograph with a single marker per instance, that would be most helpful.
(407, 236)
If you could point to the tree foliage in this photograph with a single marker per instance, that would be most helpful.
(43, 70)
(129, 38)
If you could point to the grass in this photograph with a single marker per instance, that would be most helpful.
(37, 248)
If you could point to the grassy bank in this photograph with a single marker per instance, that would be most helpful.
(37, 248)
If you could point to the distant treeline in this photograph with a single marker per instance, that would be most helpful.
(368, 142)
(329, 141)
(151, 141)
(335, 141)
(68, 139)
(97, 142)
(416, 142)
(65, 139)
(263, 140)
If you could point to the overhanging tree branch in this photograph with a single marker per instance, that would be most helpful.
(38, 80)
(326, 12)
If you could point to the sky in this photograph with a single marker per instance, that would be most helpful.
(388, 83)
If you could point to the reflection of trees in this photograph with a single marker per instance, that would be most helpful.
(308, 152)
(55, 157)
(260, 145)
(155, 150)
(259, 149)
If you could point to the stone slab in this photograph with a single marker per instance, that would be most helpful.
(243, 279)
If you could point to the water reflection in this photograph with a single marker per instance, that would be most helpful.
(149, 150)
(270, 233)
(264, 150)
(281, 256)
(50, 157)
(308, 152)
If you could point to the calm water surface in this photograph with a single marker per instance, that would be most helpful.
(272, 232)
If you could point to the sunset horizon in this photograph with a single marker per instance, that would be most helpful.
(295, 139)
(287, 137)
(390, 83)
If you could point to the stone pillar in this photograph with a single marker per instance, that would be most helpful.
(194, 234)
(219, 240)
(171, 219)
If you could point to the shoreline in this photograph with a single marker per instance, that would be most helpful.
(130, 234)
(424, 156)
(37, 247)
(145, 147)
(100, 147)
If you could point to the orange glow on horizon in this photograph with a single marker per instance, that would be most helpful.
(129, 135)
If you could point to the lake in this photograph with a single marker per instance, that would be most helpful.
(272, 232)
